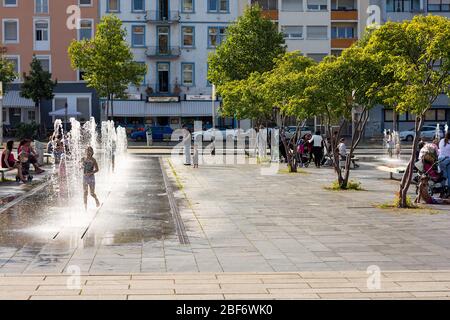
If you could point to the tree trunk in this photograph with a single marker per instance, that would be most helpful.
(406, 179)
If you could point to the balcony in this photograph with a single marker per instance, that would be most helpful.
(163, 52)
(163, 90)
(342, 43)
(159, 16)
(344, 15)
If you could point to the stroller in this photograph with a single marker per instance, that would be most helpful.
(429, 165)
(303, 153)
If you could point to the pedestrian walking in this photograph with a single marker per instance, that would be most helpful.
(317, 148)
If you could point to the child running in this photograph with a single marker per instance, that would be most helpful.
(90, 168)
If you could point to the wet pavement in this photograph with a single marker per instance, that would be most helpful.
(47, 233)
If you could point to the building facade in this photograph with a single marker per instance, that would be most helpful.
(45, 29)
(173, 39)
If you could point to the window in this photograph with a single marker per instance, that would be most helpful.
(187, 76)
(41, 6)
(439, 5)
(317, 5)
(15, 60)
(85, 3)
(138, 5)
(342, 32)
(188, 37)
(10, 31)
(45, 62)
(83, 107)
(86, 31)
(138, 36)
(31, 116)
(430, 115)
(343, 5)
(41, 35)
(267, 4)
(388, 115)
(441, 115)
(5, 115)
(59, 103)
(317, 56)
(113, 5)
(10, 3)
(405, 5)
(292, 5)
(217, 5)
(292, 32)
(215, 36)
(317, 32)
(187, 6)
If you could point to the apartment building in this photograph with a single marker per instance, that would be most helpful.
(173, 39)
(382, 118)
(39, 27)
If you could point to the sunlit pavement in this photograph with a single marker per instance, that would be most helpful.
(198, 286)
(248, 236)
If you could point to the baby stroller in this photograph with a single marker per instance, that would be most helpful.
(303, 153)
(429, 165)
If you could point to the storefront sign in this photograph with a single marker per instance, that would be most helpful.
(202, 97)
(163, 99)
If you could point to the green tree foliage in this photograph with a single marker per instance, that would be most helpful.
(7, 74)
(107, 61)
(251, 45)
(417, 54)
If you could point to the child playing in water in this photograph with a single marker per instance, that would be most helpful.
(90, 168)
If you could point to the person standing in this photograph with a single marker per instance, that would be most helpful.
(90, 168)
(444, 157)
(317, 148)
(187, 146)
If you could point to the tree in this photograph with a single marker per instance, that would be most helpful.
(283, 88)
(417, 54)
(107, 61)
(7, 74)
(251, 45)
(38, 84)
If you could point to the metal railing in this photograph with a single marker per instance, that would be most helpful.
(163, 51)
(159, 16)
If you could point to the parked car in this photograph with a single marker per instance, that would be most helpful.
(290, 131)
(158, 133)
(427, 132)
(218, 132)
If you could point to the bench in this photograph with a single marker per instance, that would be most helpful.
(398, 170)
(3, 171)
(352, 162)
(47, 156)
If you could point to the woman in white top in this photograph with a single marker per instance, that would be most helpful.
(444, 157)
(317, 148)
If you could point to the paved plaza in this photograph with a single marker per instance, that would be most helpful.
(166, 230)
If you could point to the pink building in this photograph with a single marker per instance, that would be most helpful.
(45, 28)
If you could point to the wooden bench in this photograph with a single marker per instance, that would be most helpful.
(3, 171)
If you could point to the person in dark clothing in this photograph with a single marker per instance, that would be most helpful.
(317, 148)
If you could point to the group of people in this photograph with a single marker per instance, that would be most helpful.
(435, 158)
(315, 147)
(26, 156)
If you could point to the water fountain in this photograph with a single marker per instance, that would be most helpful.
(437, 134)
(446, 128)
(67, 177)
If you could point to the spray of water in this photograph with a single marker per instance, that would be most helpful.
(69, 148)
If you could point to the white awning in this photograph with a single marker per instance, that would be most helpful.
(62, 113)
(12, 99)
(129, 108)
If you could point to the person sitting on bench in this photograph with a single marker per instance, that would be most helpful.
(342, 149)
(9, 162)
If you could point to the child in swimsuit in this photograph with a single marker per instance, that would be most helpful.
(90, 168)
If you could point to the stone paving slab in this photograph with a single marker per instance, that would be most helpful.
(216, 286)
